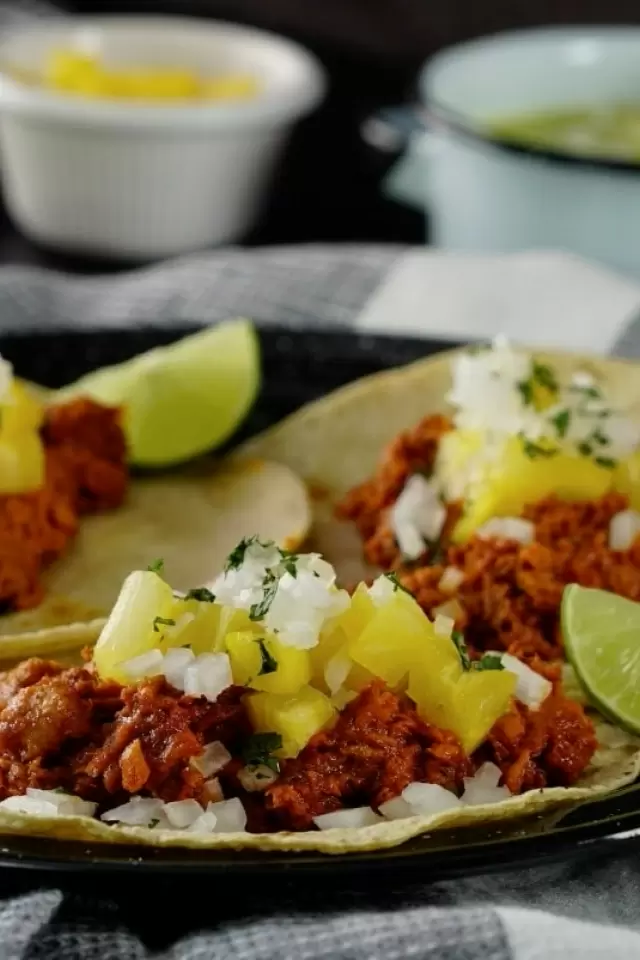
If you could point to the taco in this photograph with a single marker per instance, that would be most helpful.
(279, 706)
(75, 517)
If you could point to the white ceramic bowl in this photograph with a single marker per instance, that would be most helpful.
(145, 181)
(483, 196)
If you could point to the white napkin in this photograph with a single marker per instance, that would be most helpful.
(538, 299)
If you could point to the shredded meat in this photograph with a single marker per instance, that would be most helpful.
(414, 451)
(510, 595)
(551, 746)
(378, 746)
(85, 471)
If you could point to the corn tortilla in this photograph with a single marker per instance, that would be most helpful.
(333, 444)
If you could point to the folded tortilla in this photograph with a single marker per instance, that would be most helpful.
(333, 444)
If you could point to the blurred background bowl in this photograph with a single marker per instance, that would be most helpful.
(146, 181)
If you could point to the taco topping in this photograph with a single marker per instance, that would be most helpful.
(223, 726)
(57, 463)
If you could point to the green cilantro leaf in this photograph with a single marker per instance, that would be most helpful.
(544, 375)
(526, 392)
(534, 450)
(585, 448)
(561, 422)
(202, 594)
(162, 621)
(607, 462)
(259, 749)
(236, 557)
(156, 567)
(289, 564)
(152, 824)
(269, 663)
(393, 578)
(490, 661)
(461, 647)
(270, 585)
(600, 438)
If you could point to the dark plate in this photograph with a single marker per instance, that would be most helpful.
(297, 367)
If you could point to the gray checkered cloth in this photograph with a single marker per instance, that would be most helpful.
(585, 909)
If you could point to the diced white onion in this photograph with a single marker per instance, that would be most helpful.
(336, 671)
(428, 798)
(205, 823)
(137, 812)
(443, 626)
(213, 758)
(212, 791)
(507, 528)
(483, 786)
(176, 662)
(150, 664)
(347, 819)
(623, 529)
(255, 779)
(381, 590)
(396, 809)
(49, 803)
(182, 813)
(417, 517)
(532, 688)
(230, 815)
(450, 610)
(451, 579)
(208, 676)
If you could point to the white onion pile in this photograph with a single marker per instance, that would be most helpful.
(213, 758)
(532, 688)
(419, 799)
(451, 579)
(483, 787)
(204, 676)
(225, 816)
(417, 517)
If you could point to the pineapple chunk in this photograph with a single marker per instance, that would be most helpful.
(516, 479)
(21, 411)
(22, 462)
(197, 624)
(265, 663)
(467, 703)
(339, 632)
(398, 636)
(129, 631)
(626, 479)
(296, 718)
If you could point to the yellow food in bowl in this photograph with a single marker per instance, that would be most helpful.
(79, 74)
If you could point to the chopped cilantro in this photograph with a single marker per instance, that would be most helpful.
(461, 647)
(259, 749)
(202, 594)
(153, 823)
(269, 663)
(534, 450)
(585, 448)
(561, 422)
(591, 393)
(270, 587)
(489, 662)
(236, 557)
(526, 391)
(156, 567)
(162, 621)
(289, 564)
(600, 438)
(393, 578)
(605, 462)
(544, 376)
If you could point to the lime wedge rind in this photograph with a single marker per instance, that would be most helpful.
(604, 655)
(182, 400)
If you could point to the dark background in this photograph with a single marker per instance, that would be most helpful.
(328, 186)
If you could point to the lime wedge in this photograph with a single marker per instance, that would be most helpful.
(184, 399)
(602, 640)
